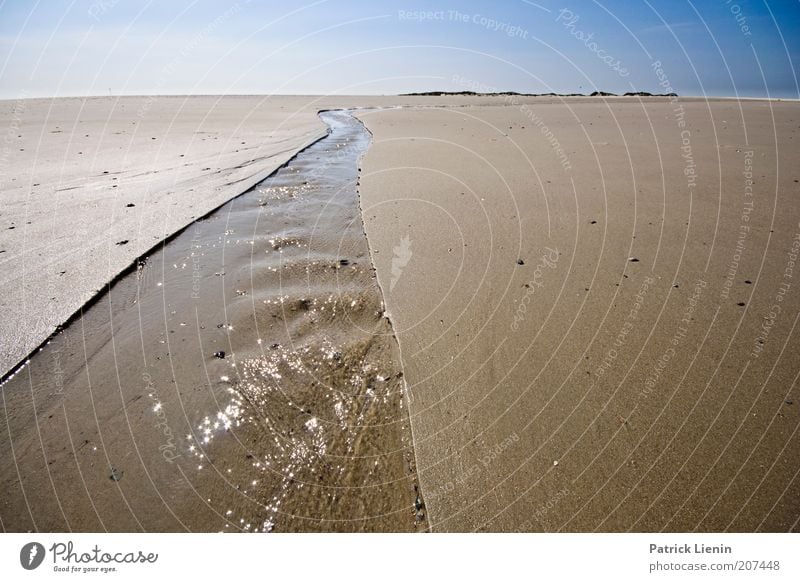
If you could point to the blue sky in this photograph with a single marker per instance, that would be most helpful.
(747, 48)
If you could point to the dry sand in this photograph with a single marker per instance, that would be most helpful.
(616, 380)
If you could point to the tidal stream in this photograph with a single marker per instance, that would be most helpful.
(243, 378)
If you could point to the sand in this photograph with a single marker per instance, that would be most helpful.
(596, 310)
(593, 301)
(89, 185)
(243, 378)
(79, 177)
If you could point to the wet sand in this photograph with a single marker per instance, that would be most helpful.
(243, 378)
(596, 303)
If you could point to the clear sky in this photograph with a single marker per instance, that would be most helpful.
(748, 48)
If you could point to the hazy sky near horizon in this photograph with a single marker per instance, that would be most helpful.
(748, 48)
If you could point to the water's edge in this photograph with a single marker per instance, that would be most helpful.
(419, 501)
(142, 257)
(255, 340)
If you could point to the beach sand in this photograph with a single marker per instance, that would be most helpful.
(242, 378)
(593, 302)
(88, 185)
(80, 176)
(579, 288)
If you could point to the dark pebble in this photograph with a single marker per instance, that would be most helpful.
(122, 242)
(130, 205)
(740, 304)
(520, 262)
(220, 354)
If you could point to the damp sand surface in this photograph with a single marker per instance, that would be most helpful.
(243, 378)
(608, 334)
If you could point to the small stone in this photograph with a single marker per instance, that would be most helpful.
(115, 475)
(220, 354)
(122, 242)
(520, 262)
(555, 463)
(633, 259)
